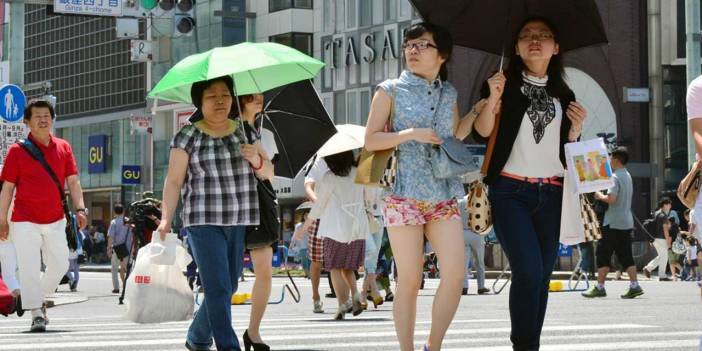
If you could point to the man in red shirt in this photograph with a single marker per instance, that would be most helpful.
(38, 222)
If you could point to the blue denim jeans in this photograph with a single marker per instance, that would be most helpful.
(219, 253)
(527, 220)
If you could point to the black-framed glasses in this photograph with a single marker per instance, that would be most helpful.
(540, 36)
(420, 45)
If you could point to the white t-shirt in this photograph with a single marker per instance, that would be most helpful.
(268, 143)
(535, 153)
(319, 169)
(694, 99)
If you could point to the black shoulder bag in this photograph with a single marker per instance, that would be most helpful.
(36, 154)
(267, 232)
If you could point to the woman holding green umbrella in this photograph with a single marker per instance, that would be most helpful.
(213, 169)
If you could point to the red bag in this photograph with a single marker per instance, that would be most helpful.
(7, 302)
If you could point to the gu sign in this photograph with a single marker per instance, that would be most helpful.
(89, 7)
(97, 155)
(131, 175)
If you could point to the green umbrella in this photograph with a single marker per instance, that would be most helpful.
(255, 68)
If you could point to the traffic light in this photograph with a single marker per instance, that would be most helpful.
(166, 5)
(148, 4)
(184, 19)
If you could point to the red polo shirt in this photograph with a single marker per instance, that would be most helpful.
(37, 199)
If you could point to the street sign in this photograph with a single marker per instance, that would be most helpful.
(13, 101)
(131, 175)
(181, 117)
(636, 95)
(11, 132)
(97, 154)
(111, 8)
(140, 124)
(565, 251)
(142, 50)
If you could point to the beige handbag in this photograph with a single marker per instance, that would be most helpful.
(689, 187)
(478, 208)
(478, 205)
(379, 168)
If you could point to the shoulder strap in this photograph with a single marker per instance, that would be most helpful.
(388, 125)
(491, 145)
(36, 154)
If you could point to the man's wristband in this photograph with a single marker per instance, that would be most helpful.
(84, 210)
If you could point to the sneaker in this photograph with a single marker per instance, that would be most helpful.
(632, 293)
(483, 291)
(647, 273)
(318, 306)
(595, 292)
(38, 325)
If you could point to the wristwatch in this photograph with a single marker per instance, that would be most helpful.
(84, 210)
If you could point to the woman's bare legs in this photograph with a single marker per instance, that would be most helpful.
(407, 246)
(446, 238)
(262, 258)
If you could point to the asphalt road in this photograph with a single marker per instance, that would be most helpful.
(667, 317)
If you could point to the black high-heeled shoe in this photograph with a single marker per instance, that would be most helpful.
(256, 346)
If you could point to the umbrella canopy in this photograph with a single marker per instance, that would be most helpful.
(300, 125)
(255, 68)
(491, 25)
(347, 137)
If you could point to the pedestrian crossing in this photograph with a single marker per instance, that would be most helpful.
(369, 331)
(481, 323)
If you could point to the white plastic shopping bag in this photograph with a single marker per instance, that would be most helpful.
(158, 292)
(589, 165)
(572, 227)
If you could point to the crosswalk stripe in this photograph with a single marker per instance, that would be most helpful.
(112, 335)
(140, 328)
(388, 333)
(630, 345)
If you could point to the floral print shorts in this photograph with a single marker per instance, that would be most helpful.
(399, 211)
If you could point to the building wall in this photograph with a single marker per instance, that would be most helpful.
(88, 66)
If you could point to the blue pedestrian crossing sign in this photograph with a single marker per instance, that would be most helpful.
(13, 102)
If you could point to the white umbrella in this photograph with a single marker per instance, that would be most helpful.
(347, 137)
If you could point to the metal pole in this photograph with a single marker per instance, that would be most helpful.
(692, 53)
(655, 121)
(149, 37)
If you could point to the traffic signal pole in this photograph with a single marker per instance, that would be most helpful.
(692, 54)
(149, 38)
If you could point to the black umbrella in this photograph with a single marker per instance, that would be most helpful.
(299, 122)
(491, 25)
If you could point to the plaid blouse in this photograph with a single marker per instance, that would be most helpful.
(219, 187)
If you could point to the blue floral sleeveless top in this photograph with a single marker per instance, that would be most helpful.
(416, 100)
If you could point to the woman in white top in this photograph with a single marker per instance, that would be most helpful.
(539, 116)
(341, 203)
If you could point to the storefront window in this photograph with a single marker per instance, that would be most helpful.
(299, 41)
(279, 5)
